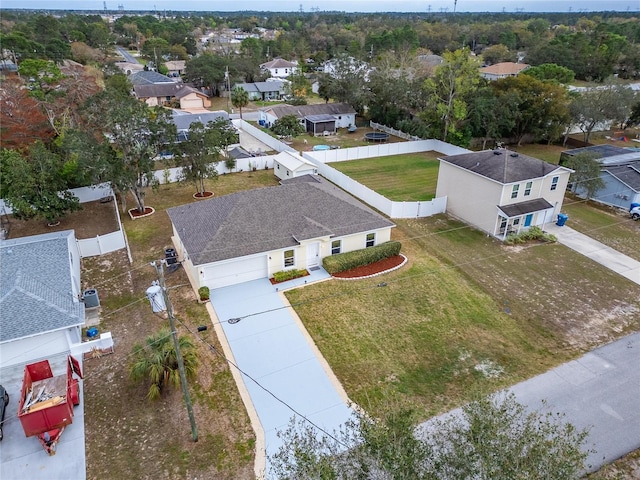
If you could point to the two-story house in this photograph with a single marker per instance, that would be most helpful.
(279, 68)
(500, 191)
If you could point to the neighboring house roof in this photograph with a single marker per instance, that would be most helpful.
(262, 87)
(183, 120)
(36, 287)
(627, 174)
(171, 89)
(302, 111)
(292, 161)
(601, 151)
(278, 63)
(522, 208)
(175, 64)
(502, 165)
(239, 152)
(8, 65)
(148, 77)
(504, 68)
(270, 218)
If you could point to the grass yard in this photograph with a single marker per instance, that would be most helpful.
(467, 315)
(411, 177)
(608, 225)
(547, 153)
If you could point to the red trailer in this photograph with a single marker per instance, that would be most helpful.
(47, 401)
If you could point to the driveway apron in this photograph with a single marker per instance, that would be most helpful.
(269, 346)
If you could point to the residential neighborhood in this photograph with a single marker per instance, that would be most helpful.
(305, 242)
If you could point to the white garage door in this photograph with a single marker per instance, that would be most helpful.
(191, 103)
(236, 271)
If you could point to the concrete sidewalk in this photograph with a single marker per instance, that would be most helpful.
(596, 251)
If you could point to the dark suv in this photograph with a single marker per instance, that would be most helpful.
(4, 401)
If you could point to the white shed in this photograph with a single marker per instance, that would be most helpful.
(291, 165)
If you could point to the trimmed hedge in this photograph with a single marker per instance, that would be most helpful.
(534, 233)
(204, 293)
(349, 260)
(285, 275)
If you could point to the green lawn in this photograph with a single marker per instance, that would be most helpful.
(548, 153)
(610, 226)
(466, 315)
(411, 177)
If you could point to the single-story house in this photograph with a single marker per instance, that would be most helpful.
(502, 70)
(41, 311)
(149, 77)
(161, 93)
(175, 67)
(500, 191)
(279, 68)
(183, 120)
(343, 114)
(265, 91)
(129, 68)
(253, 234)
(620, 171)
(291, 165)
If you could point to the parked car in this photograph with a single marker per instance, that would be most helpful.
(4, 401)
(634, 211)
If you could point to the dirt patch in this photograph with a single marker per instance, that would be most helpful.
(128, 436)
(102, 216)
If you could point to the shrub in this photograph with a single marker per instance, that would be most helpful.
(349, 260)
(533, 234)
(285, 275)
(204, 293)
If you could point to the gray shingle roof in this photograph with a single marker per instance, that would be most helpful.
(36, 293)
(522, 208)
(148, 77)
(171, 89)
(183, 120)
(302, 111)
(503, 167)
(269, 218)
(627, 174)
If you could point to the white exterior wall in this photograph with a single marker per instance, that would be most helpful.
(555, 197)
(31, 349)
(470, 197)
(345, 120)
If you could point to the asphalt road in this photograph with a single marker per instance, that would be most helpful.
(127, 56)
(599, 391)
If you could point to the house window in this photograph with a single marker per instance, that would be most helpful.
(503, 224)
(516, 222)
(554, 183)
(336, 246)
(289, 258)
(278, 166)
(276, 71)
(371, 240)
(514, 191)
(527, 189)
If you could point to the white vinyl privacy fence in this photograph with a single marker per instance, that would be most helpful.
(388, 207)
(100, 244)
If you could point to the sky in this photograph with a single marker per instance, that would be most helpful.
(509, 6)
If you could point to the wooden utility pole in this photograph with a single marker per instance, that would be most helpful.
(183, 377)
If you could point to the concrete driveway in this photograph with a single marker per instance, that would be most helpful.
(270, 345)
(596, 251)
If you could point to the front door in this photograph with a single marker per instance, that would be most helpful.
(527, 220)
(313, 254)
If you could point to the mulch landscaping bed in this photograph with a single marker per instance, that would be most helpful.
(372, 268)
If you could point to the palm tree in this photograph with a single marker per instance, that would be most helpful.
(156, 361)
(239, 98)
